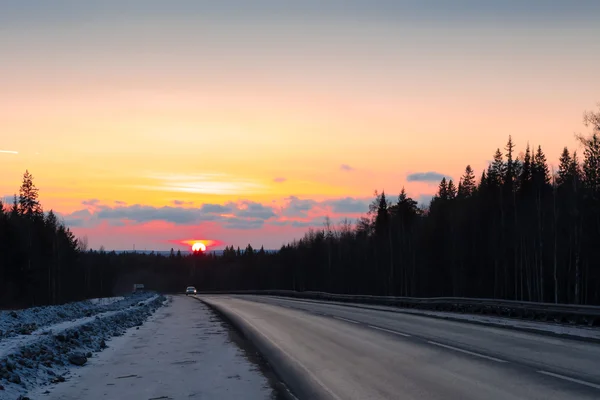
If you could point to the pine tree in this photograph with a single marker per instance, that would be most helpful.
(443, 190)
(14, 210)
(28, 197)
(591, 165)
(382, 216)
(497, 170)
(451, 190)
(540, 171)
(467, 184)
(526, 176)
(509, 175)
(564, 167)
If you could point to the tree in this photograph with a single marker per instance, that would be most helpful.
(467, 184)
(443, 190)
(526, 176)
(591, 164)
(451, 190)
(564, 167)
(510, 168)
(497, 170)
(540, 172)
(28, 197)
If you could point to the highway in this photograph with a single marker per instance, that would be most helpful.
(345, 352)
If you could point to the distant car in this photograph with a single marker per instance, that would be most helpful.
(190, 290)
(138, 287)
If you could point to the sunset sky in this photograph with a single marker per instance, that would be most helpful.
(148, 122)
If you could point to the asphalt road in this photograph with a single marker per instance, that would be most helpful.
(355, 353)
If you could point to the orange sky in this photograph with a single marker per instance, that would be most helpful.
(210, 106)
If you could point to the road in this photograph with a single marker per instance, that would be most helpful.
(356, 353)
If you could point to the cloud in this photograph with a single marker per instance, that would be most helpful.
(91, 202)
(242, 215)
(74, 222)
(425, 177)
(424, 199)
(346, 167)
(251, 209)
(216, 209)
(299, 224)
(279, 179)
(208, 183)
(139, 213)
(182, 203)
(349, 205)
(298, 207)
(243, 223)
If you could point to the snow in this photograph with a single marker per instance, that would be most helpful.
(181, 351)
(104, 301)
(16, 322)
(41, 355)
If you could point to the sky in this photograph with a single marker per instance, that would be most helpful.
(146, 123)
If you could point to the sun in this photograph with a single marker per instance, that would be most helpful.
(198, 246)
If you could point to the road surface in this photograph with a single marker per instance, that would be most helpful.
(355, 353)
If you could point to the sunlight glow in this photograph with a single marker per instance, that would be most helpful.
(199, 246)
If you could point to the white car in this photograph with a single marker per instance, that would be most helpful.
(190, 290)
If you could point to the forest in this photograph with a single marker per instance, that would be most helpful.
(515, 231)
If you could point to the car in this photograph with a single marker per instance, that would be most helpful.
(190, 290)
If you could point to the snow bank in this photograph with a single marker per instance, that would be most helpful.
(183, 351)
(45, 354)
(26, 321)
(104, 301)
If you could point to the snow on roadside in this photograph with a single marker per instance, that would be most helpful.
(26, 321)
(44, 356)
(104, 301)
(182, 351)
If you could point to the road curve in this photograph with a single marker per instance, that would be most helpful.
(354, 353)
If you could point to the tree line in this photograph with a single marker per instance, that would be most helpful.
(518, 231)
(38, 253)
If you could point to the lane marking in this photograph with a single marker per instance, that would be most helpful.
(566, 378)
(467, 352)
(389, 330)
(347, 320)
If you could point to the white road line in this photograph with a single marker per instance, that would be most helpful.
(467, 352)
(566, 378)
(347, 320)
(389, 330)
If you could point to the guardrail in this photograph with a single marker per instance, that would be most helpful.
(563, 313)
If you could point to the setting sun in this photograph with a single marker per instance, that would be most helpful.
(198, 246)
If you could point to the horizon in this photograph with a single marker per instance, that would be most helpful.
(154, 123)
